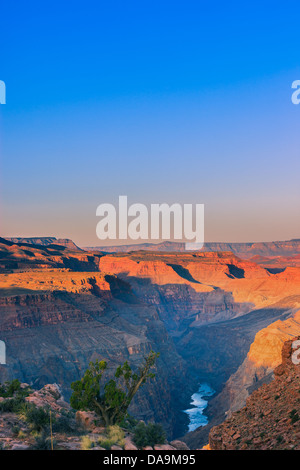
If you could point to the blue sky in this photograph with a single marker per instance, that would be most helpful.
(161, 101)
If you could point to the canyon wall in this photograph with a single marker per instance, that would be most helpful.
(271, 417)
(61, 308)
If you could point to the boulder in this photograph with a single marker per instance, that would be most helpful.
(179, 445)
(164, 447)
(20, 447)
(129, 445)
(86, 419)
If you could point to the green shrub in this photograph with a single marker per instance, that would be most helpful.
(64, 424)
(86, 443)
(13, 389)
(148, 435)
(15, 430)
(37, 418)
(129, 423)
(43, 442)
(114, 436)
(106, 443)
(12, 405)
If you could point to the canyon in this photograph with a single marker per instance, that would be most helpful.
(218, 316)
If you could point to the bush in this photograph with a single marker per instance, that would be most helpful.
(37, 418)
(86, 443)
(148, 435)
(43, 442)
(15, 430)
(129, 423)
(114, 436)
(106, 443)
(64, 424)
(13, 389)
(12, 405)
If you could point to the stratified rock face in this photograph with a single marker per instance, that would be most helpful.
(248, 283)
(264, 355)
(257, 367)
(69, 319)
(28, 257)
(271, 417)
(212, 303)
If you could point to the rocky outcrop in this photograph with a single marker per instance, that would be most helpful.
(271, 418)
(46, 241)
(28, 257)
(263, 357)
(245, 375)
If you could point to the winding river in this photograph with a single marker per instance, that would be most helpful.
(199, 403)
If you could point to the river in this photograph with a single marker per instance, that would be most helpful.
(199, 403)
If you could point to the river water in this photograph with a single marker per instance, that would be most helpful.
(199, 403)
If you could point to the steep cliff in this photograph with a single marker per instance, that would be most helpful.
(271, 418)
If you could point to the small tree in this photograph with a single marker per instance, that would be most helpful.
(111, 399)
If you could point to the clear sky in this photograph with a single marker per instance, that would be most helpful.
(162, 101)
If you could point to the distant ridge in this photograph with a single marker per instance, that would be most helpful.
(245, 250)
(46, 241)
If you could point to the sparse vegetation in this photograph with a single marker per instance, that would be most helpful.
(129, 423)
(110, 399)
(148, 435)
(12, 405)
(86, 443)
(64, 423)
(14, 389)
(37, 418)
(43, 442)
(114, 436)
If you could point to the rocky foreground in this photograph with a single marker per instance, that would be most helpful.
(31, 426)
(42, 419)
(271, 418)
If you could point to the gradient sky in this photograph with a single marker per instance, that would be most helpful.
(163, 101)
